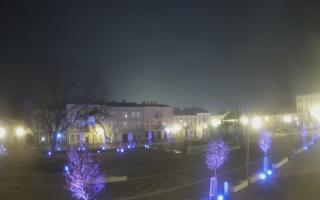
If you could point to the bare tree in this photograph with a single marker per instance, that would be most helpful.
(70, 86)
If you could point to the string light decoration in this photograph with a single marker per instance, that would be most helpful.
(216, 155)
(83, 175)
(265, 142)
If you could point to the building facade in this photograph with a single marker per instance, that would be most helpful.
(191, 124)
(100, 125)
(304, 105)
(281, 123)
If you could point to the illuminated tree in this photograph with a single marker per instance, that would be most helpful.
(265, 142)
(265, 145)
(83, 176)
(217, 154)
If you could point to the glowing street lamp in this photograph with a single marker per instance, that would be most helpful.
(99, 131)
(19, 131)
(215, 123)
(287, 119)
(244, 120)
(2, 132)
(256, 122)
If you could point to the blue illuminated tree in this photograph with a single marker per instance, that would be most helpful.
(265, 142)
(83, 176)
(216, 155)
(265, 145)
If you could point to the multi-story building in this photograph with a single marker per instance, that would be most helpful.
(304, 105)
(193, 122)
(111, 123)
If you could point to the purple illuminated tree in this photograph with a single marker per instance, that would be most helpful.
(265, 145)
(265, 142)
(83, 176)
(217, 154)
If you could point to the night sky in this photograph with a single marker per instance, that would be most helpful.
(213, 54)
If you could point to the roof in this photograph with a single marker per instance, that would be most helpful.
(132, 104)
(189, 111)
(126, 104)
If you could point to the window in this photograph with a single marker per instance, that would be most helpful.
(72, 138)
(138, 114)
(133, 114)
(78, 138)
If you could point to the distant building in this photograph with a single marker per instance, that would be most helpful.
(15, 131)
(226, 123)
(304, 106)
(279, 123)
(192, 122)
(97, 125)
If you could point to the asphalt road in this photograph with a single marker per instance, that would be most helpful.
(151, 174)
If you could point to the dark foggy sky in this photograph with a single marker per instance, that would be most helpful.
(214, 54)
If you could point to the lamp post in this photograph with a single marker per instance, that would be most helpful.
(256, 123)
(245, 121)
(186, 136)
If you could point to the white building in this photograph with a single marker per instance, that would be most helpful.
(193, 123)
(304, 105)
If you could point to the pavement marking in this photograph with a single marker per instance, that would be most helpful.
(107, 180)
(30, 185)
(164, 190)
(183, 185)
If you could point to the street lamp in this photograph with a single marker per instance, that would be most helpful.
(215, 123)
(287, 119)
(256, 122)
(19, 131)
(2, 132)
(99, 130)
(245, 122)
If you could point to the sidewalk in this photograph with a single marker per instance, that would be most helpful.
(299, 179)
